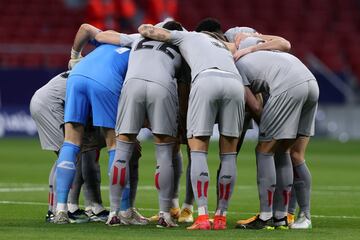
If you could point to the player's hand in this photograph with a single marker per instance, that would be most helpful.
(73, 62)
(241, 52)
(239, 37)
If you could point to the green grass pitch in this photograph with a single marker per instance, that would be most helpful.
(335, 169)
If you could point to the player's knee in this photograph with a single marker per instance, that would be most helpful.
(296, 157)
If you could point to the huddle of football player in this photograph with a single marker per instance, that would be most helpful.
(179, 84)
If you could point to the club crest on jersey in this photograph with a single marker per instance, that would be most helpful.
(122, 50)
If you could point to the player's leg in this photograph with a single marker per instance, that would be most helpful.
(200, 178)
(279, 120)
(186, 214)
(76, 215)
(91, 188)
(65, 170)
(49, 126)
(284, 180)
(52, 195)
(164, 177)
(302, 182)
(129, 214)
(226, 179)
(162, 111)
(74, 194)
(177, 164)
(292, 206)
(119, 174)
(77, 106)
(129, 120)
(231, 121)
(302, 173)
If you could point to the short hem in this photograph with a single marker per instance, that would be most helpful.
(127, 132)
(200, 134)
(230, 134)
(270, 138)
(165, 133)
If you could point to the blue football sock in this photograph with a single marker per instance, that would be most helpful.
(125, 199)
(111, 159)
(65, 170)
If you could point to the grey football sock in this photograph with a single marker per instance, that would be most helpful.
(284, 181)
(266, 181)
(73, 197)
(200, 178)
(177, 163)
(52, 187)
(293, 202)
(302, 186)
(134, 173)
(119, 173)
(92, 177)
(189, 194)
(164, 175)
(227, 179)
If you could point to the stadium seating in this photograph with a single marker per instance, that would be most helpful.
(328, 28)
(29, 22)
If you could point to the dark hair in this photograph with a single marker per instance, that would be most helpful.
(173, 25)
(218, 36)
(209, 25)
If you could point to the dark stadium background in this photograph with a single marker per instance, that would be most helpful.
(36, 37)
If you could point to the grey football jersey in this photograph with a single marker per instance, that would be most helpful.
(203, 52)
(154, 61)
(272, 71)
(127, 40)
(54, 91)
(231, 32)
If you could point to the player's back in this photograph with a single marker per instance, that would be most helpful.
(106, 64)
(53, 91)
(279, 70)
(154, 61)
(203, 52)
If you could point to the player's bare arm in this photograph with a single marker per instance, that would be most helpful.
(85, 33)
(272, 42)
(253, 104)
(109, 36)
(156, 33)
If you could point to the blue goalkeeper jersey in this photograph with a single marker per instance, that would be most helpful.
(107, 64)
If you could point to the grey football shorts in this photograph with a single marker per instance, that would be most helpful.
(290, 113)
(142, 99)
(216, 95)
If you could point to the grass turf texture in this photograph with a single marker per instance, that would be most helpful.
(24, 172)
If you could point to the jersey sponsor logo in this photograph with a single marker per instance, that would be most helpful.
(121, 161)
(204, 174)
(66, 165)
(163, 47)
(122, 50)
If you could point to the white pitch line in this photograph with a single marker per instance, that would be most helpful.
(27, 187)
(154, 210)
